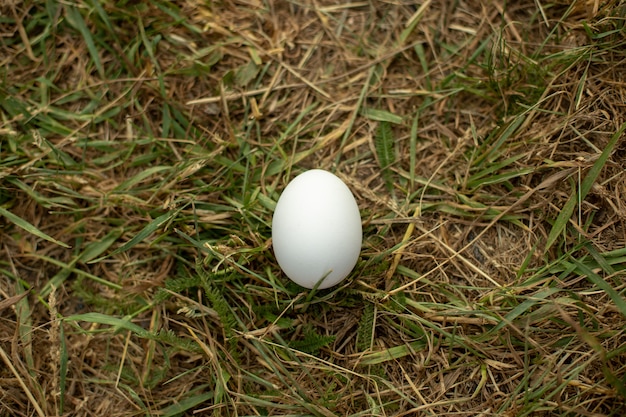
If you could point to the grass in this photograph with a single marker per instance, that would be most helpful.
(143, 148)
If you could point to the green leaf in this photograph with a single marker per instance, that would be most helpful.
(500, 136)
(385, 147)
(14, 107)
(567, 210)
(599, 282)
(524, 307)
(62, 369)
(360, 101)
(474, 178)
(365, 330)
(413, 22)
(186, 404)
(600, 259)
(312, 341)
(246, 73)
(18, 221)
(130, 183)
(116, 322)
(496, 179)
(75, 19)
(148, 230)
(392, 353)
(98, 247)
(413, 149)
(582, 83)
(66, 270)
(381, 116)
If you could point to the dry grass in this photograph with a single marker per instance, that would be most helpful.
(143, 146)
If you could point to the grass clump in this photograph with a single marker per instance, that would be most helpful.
(143, 148)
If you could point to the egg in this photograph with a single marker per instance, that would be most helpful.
(316, 230)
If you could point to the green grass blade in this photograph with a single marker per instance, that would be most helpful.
(356, 112)
(24, 312)
(115, 322)
(94, 249)
(413, 22)
(600, 259)
(384, 143)
(568, 209)
(581, 89)
(75, 19)
(62, 370)
(67, 269)
(91, 250)
(413, 149)
(186, 404)
(131, 182)
(148, 230)
(381, 116)
(365, 332)
(496, 179)
(18, 221)
(421, 55)
(104, 17)
(524, 307)
(491, 169)
(385, 147)
(501, 136)
(599, 282)
(392, 353)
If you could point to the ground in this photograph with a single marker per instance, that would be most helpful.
(143, 147)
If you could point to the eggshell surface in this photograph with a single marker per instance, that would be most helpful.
(316, 230)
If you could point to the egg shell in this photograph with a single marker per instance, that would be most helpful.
(316, 230)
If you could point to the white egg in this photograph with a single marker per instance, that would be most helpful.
(316, 230)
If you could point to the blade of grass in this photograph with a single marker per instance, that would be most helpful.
(98, 247)
(130, 183)
(499, 178)
(381, 116)
(46, 289)
(600, 259)
(392, 353)
(24, 313)
(599, 282)
(75, 19)
(491, 169)
(187, 404)
(355, 113)
(569, 207)
(500, 136)
(115, 322)
(91, 250)
(62, 370)
(413, 150)
(523, 307)
(18, 221)
(413, 22)
(148, 230)
(385, 147)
